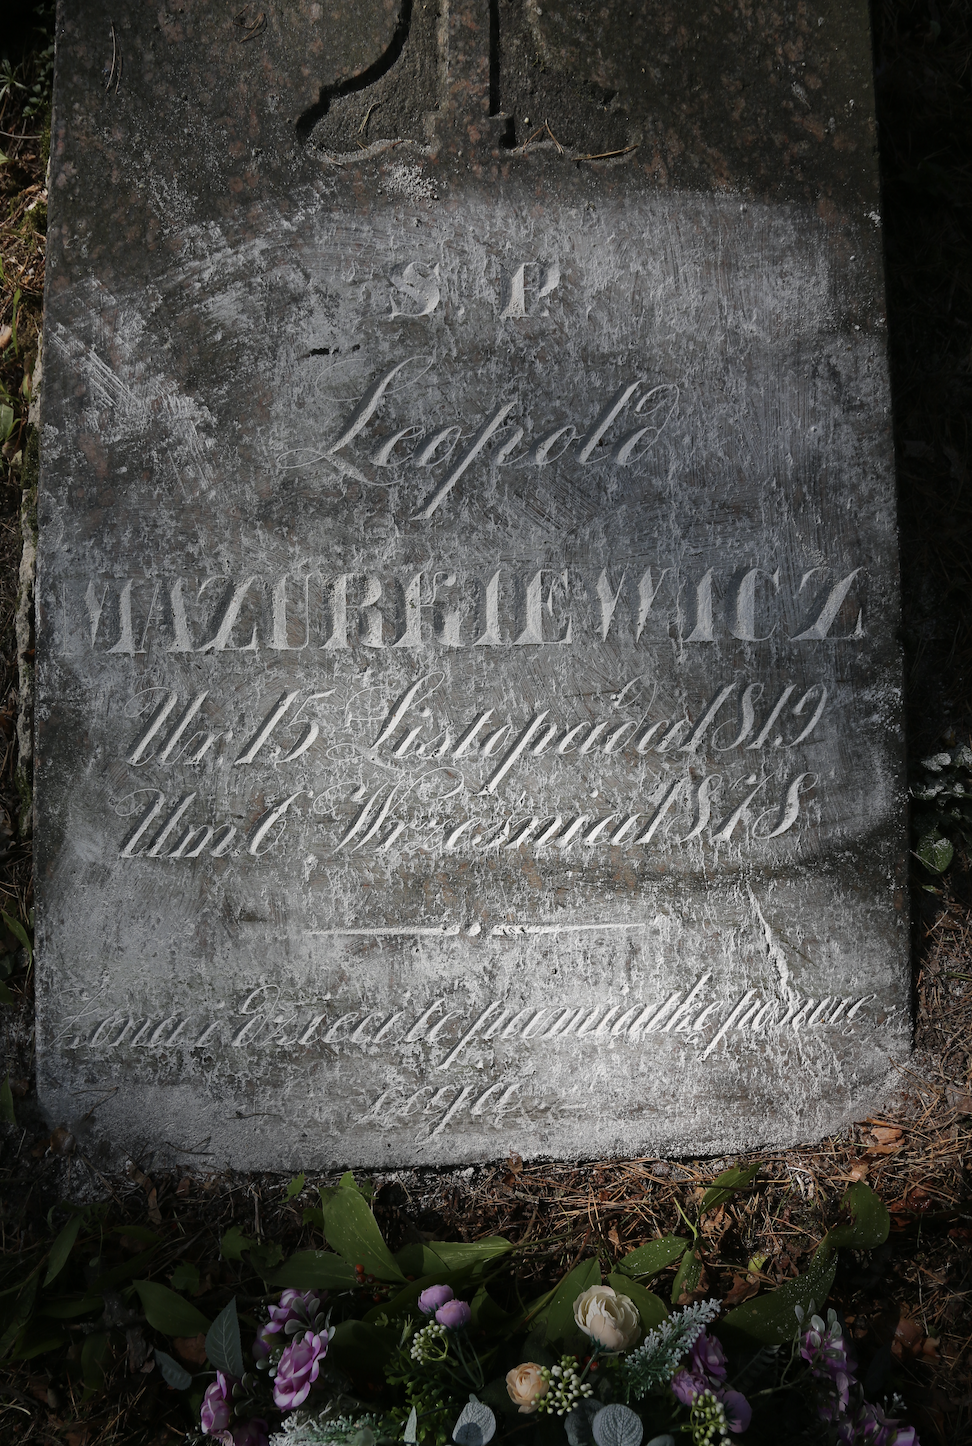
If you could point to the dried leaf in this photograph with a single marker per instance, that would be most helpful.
(191, 1348)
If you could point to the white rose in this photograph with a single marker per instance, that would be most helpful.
(526, 1385)
(608, 1318)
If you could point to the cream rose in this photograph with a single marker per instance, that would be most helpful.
(526, 1385)
(608, 1318)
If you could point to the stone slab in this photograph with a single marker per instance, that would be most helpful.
(468, 698)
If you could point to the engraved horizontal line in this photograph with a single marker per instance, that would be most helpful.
(439, 930)
(507, 929)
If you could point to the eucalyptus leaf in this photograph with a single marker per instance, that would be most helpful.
(617, 1425)
(168, 1312)
(61, 1249)
(172, 1373)
(353, 1232)
(475, 1426)
(411, 1428)
(655, 1256)
(664, 1440)
(223, 1345)
(579, 1422)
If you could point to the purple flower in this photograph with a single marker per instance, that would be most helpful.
(263, 1343)
(294, 1305)
(254, 1432)
(436, 1295)
(298, 1369)
(689, 1384)
(870, 1427)
(454, 1314)
(738, 1411)
(708, 1357)
(216, 1410)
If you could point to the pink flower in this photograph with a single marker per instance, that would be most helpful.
(454, 1314)
(708, 1357)
(254, 1432)
(738, 1411)
(298, 1369)
(436, 1295)
(217, 1409)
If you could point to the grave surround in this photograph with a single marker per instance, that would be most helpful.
(468, 698)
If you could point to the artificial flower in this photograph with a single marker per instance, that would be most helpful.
(526, 1386)
(608, 1318)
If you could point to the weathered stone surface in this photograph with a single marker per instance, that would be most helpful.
(468, 695)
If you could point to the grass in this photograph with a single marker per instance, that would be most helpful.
(909, 1304)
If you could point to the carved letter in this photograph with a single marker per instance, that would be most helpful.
(514, 299)
(820, 629)
(532, 603)
(744, 626)
(420, 286)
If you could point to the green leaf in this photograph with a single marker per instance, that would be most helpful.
(418, 1260)
(488, 1314)
(655, 1256)
(137, 1232)
(61, 1249)
(169, 1313)
(6, 421)
(14, 925)
(651, 1308)
(173, 1374)
(687, 1275)
(457, 1254)
(93, 1353)
(185, 1278)
(934, 852)
(233, 1243)
(6, 1103)
(70, 1309)
(21, 1314)
(223, 1345)
(726, 1185)
(869, 1225)
(770, 1318)
(558, 1316)
(295, 1187)
(351, 1230)
(266, 1258)
(314, 1270)
(358, 1347)
(37, 1340)
(128, 1269)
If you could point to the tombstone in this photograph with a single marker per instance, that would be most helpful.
(468, 698)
